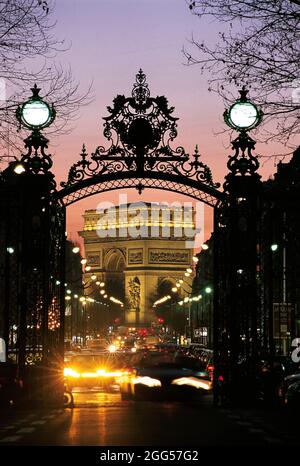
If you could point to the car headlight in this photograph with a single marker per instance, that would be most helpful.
(68, 372)
(112, 348)
(148, 381)
(193, 382)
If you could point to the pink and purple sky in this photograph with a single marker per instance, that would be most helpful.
(110, 40)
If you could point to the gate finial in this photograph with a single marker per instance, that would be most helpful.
(140, 91)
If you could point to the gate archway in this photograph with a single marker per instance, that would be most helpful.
(140, 129)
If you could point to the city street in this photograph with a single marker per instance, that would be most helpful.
(102, 419)
(149, 253)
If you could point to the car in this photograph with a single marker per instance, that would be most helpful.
(92, 370)
(286, 383)
(196, 346)
(292, 395)
(159, 374)
(205, 356)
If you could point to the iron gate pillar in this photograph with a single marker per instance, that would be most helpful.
(32, 242)
(236, 297)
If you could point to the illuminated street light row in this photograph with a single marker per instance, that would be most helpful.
(179, 283)
(85, 299)
(162, 300)
(116, 301)
(189, 300)
(101, 284)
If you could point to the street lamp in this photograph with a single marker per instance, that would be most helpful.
(243, 115)
(274, 247)
(35, 113)
(19, 169)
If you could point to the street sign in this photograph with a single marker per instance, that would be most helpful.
(200, 332)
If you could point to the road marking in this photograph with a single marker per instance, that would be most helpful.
(12, 438)
(9, 427)
(272, 440)
(37, 423)
(244, 423)
(26, 430)
(50, 416)
(255, 430)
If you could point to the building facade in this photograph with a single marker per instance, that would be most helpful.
(277, 258)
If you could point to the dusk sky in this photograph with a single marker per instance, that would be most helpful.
(109, 41)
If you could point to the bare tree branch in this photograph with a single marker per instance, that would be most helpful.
(259, 48)
(28, 48)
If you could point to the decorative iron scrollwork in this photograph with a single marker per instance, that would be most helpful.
(37, 161)
(140, 129)
(243, 162)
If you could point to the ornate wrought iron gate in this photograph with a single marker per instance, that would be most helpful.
(140, 129)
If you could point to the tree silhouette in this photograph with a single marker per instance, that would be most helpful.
(259, 47)
(28, 48)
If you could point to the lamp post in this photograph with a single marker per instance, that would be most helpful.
(236, 299)
(40, 304)
(209, 320)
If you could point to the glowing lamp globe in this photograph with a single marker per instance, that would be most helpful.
(243, 115)
(35, 113)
